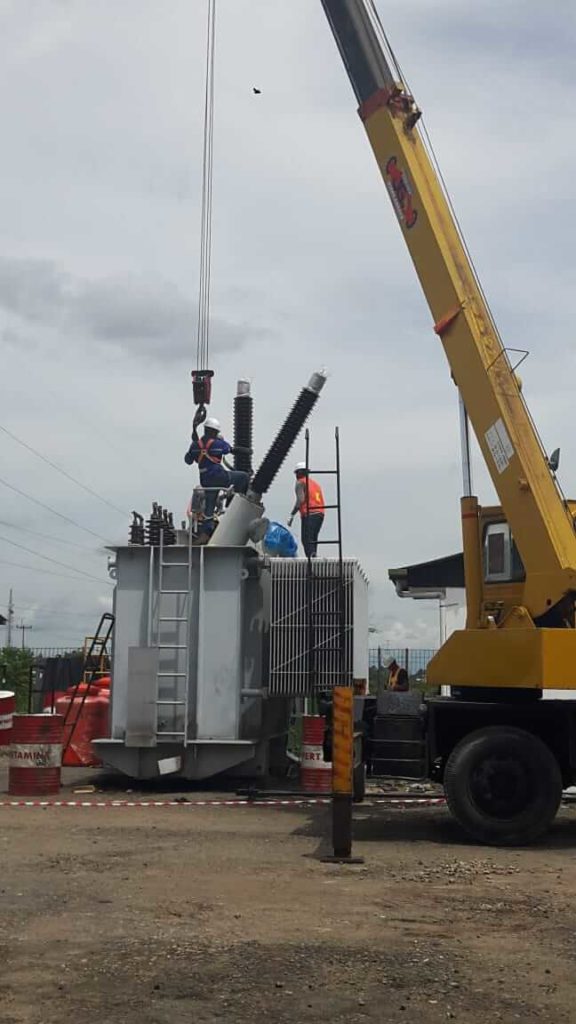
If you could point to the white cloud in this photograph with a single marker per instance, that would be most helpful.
(146, 317)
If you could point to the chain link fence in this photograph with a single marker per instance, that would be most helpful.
(53, 652)
(414, 660)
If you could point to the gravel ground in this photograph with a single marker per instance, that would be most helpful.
(140, 915)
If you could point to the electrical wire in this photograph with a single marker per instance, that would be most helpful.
(47, 508)
(128, 454)
(48, 572)
(55, 561)
(54, 629)
(202, 342)
(63, 472)
(38, 610)
(47, 536)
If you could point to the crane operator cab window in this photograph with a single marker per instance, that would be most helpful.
(502, 562)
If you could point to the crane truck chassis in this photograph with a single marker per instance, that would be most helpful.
(502, 752)
(503, 764)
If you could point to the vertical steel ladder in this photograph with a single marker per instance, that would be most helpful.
(173, 607)
(326, 597)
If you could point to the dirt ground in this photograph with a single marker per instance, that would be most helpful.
(157, 915)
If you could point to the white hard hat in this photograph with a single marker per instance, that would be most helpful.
(388, 661)
(212, 423)
(300, 467)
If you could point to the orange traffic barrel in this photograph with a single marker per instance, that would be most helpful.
(7, 709)
(35, 755)
(315, 772)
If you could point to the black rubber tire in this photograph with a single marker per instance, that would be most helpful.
(503, 786)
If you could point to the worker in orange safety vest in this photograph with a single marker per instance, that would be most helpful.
(397, 676)
(310, 504)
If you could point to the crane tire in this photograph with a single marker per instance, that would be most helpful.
(503, 786)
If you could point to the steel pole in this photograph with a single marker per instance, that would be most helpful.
(342, 775)
(467, 486)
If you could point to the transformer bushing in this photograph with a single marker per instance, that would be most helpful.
(161, 522)
(168, 528)
(287, 434)
(243, 520)
(243, 427)
(153, 525)
(137, 533)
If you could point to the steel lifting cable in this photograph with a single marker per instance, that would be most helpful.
(427, 142)
(202, 345)
(428, 146)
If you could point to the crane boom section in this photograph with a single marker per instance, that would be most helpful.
(540, 521)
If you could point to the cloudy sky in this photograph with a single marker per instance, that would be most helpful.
(101, 107)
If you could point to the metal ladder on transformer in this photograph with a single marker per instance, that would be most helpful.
(326, 597)
(173, 608)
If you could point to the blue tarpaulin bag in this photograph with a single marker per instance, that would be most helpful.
(279, 542)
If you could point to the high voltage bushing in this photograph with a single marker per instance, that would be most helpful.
(288, 433)
(168, 528)
(137, 534)
(161, 522)
(153, 525)
(243, 427)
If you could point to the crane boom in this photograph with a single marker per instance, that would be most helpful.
(540, 520)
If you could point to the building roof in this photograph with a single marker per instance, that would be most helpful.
(438, 575)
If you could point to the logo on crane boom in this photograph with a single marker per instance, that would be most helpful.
(401, 193)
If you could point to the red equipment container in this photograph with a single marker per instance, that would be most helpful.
(49, 699)
(7, 709)
(104, 683)
(35, 755)
(315, 772)
(87, 720)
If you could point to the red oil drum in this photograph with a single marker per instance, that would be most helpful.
(315, 772)
(7, 709)
(35, 755)
(87, 720)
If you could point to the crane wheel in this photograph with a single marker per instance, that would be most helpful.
(503, 786)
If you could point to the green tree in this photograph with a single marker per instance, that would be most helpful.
(15, 666)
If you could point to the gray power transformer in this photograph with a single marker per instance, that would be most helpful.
(211, 644)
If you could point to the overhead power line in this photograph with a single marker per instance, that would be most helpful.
(63, 472)
(54, 628)
(48, 536)
(48, 572)
(38, 610)
(47, 558)
(54, 511)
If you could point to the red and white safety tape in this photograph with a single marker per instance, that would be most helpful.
(290, 802)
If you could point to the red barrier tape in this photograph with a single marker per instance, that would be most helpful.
(292, 802)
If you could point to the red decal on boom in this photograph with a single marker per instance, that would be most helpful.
(401, 193)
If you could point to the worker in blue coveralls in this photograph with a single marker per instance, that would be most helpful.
(209, 451)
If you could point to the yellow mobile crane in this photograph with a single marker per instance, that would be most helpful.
(502, 753)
